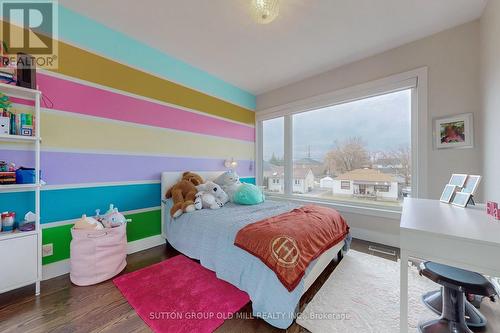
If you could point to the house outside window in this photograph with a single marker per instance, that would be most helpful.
(382, 188)
(357, 152)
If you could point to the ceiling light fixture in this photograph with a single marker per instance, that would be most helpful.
(265, 11)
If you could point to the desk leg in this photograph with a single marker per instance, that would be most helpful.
(403, 300)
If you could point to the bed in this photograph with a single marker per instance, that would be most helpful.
(208, 236)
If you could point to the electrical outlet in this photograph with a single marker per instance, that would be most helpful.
(47, 250)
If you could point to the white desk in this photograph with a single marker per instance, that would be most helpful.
(462, 237)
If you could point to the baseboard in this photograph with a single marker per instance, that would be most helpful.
(55, 269)
(375, 236)
(58, 268)
(144, 244)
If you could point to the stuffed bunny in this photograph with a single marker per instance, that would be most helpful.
(210, 195)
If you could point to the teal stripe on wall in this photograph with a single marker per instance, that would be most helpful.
(249, 180)
(18, 202)
(93, 36)
(71, 203)
(66, 204)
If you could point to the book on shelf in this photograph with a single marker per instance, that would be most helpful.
(20, 123)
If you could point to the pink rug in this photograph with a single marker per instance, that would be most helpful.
(179, 295)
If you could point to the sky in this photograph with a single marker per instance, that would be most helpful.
(383, 123)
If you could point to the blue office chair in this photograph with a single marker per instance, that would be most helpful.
(456, 283)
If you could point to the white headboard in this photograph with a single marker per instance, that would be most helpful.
(169, 178)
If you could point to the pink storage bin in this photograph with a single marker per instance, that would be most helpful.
(97, 255)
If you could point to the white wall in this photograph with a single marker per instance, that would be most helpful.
(337, 188)
(452, 58)
(393, 192)
(490, 87)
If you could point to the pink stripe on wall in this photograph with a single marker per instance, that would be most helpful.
(22, 101)
(79, 98)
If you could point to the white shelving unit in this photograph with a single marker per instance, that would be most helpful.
(21, 259)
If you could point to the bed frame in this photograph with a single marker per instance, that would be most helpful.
(333, 255)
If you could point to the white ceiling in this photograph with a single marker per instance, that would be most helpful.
(307, 38)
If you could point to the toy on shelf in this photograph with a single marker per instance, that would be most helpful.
(7, 173)
(8, 220)
(29, 222)
(14, 123)
(5, 103)
(5, 166)
(5, 115)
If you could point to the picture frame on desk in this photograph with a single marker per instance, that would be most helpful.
(461, 199)
(458, 179)
(471, 184)
(448, 193)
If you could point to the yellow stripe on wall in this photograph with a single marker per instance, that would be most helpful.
(84, 65)
(67, 131)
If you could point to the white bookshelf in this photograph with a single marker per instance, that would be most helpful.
(21, 259)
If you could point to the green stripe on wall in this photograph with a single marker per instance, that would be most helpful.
(60, 237)
(143, 225)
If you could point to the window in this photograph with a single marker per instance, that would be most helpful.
(358, 152)
(365, 142)
(273, 154)
(382, 188)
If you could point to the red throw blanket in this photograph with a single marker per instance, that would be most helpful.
(287, 243)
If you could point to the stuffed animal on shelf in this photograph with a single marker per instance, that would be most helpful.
(113, 218)
(210, 195)
(88, 223)
(183, 193)
(238, 192)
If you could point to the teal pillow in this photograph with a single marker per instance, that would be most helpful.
(248, 194)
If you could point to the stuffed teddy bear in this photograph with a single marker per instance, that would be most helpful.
(210, 195)
(238, 192)
(183, 193)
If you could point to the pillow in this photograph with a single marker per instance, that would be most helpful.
(248, 194)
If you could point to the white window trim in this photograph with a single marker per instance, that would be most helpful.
(416, 79)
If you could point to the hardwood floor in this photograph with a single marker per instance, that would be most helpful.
(63, 307)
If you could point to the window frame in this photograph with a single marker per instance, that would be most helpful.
(345, 187)
(416, 80)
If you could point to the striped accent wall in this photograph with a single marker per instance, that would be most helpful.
(110, 127)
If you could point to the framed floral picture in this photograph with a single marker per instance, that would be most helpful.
(454, 132)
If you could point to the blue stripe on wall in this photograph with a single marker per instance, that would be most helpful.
(18, 202)
(66, 204)
(249, 180)
(93, 36)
